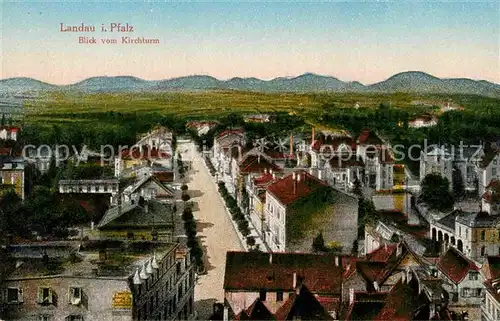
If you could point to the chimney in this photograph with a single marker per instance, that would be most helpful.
(291, 145)
(336, 260)
(265, 171)
(312, 136)
(226, 314)
(270, 258)
(294, 280)
(375, 286)
(351, 296)
(271, 171)
(258, 158)
(274, 176)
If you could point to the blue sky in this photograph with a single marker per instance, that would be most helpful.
(365, 41)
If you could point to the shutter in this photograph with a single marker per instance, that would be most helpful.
(85, 299)
(70, 294)
(20, 295)
(50, 299)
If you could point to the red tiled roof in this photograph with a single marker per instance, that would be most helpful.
(400, 303)
(492, 194)
(275, 271)
(263, 179)
(368, 137)
(135, 153)
(230, 131)
(287, 190)
(256, 164)
(382, 254)
(455, 266)
(11, 129)
(279, 155)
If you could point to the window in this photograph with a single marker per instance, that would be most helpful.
(483, 250)
(44, 317)
(262, 295)
(473, 275)
(494, 172)
(74, 317)
(483, 235)
(75, 295)
(279, 296)
(45, 295)
(14, 295)
(465, 292)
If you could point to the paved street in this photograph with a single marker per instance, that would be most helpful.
(215, 231)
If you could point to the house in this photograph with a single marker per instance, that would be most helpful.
(331, 144)
(89, 186)
(159, 138)
(143, 220)
(475, 234)
(280, 281)
(378, 159)
(342, 173)
(438, 160)
(488, 167)
(464, 283)
(252, 164)
(201, 127)
(425, 120)
(12, 174)
(129, 161)
(491, 272)
(228, 145)
(9, 132)
(149, 188)
(257, 118)
(98, 281)
(298, 206)
(490, 201)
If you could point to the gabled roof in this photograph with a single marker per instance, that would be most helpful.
(132, 214)
(490, 153)
(164, 176)
(275, 271)
(492, 194)
(256, 311)
(304, 306)
(455, 265)
(149, 179)
(332, 144)
(288, 190)
(493, 265)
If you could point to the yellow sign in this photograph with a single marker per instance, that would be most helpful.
(122, 300)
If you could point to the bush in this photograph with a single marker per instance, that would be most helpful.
(251, 241)
(184, 187)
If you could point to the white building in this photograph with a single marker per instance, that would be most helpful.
(491, 304)
(9, 132)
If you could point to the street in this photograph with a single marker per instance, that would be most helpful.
(216, 234)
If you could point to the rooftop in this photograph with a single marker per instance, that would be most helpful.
(276, 271)
(151, 213)
(369, 137)
(121, 260)
(295, 186)
(478, 219)
(455, 265)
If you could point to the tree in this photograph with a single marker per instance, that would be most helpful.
(358, 190)
(185, 198)
(2, 122)
(251, 241)
(436, 192)
(458, 184)
(184, 188)
(319, 243)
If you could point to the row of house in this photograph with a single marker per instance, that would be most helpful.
(390, 282)
(128, 265)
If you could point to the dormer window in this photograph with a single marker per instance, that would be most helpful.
(75, 295)
(14, 295)
(45, 295)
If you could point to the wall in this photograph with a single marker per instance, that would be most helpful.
(98, 291)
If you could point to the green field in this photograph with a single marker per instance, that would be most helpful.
(58, 108)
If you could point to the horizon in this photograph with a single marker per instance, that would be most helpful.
(249, 77)
(366, 42)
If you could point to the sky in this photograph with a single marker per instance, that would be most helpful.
(364, 41)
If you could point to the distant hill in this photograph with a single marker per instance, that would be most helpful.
(411, 81)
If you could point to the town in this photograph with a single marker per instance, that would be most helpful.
(221, 220)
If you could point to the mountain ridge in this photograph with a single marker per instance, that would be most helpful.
(407, 81)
